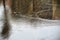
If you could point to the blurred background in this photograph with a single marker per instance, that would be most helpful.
(32, 29)
(47, 9)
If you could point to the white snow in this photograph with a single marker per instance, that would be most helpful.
(27, 29)
(24, 30)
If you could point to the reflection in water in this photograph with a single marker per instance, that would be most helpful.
(30, 29)
(4, 27)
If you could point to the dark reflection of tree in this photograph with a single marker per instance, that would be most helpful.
(6, 27)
